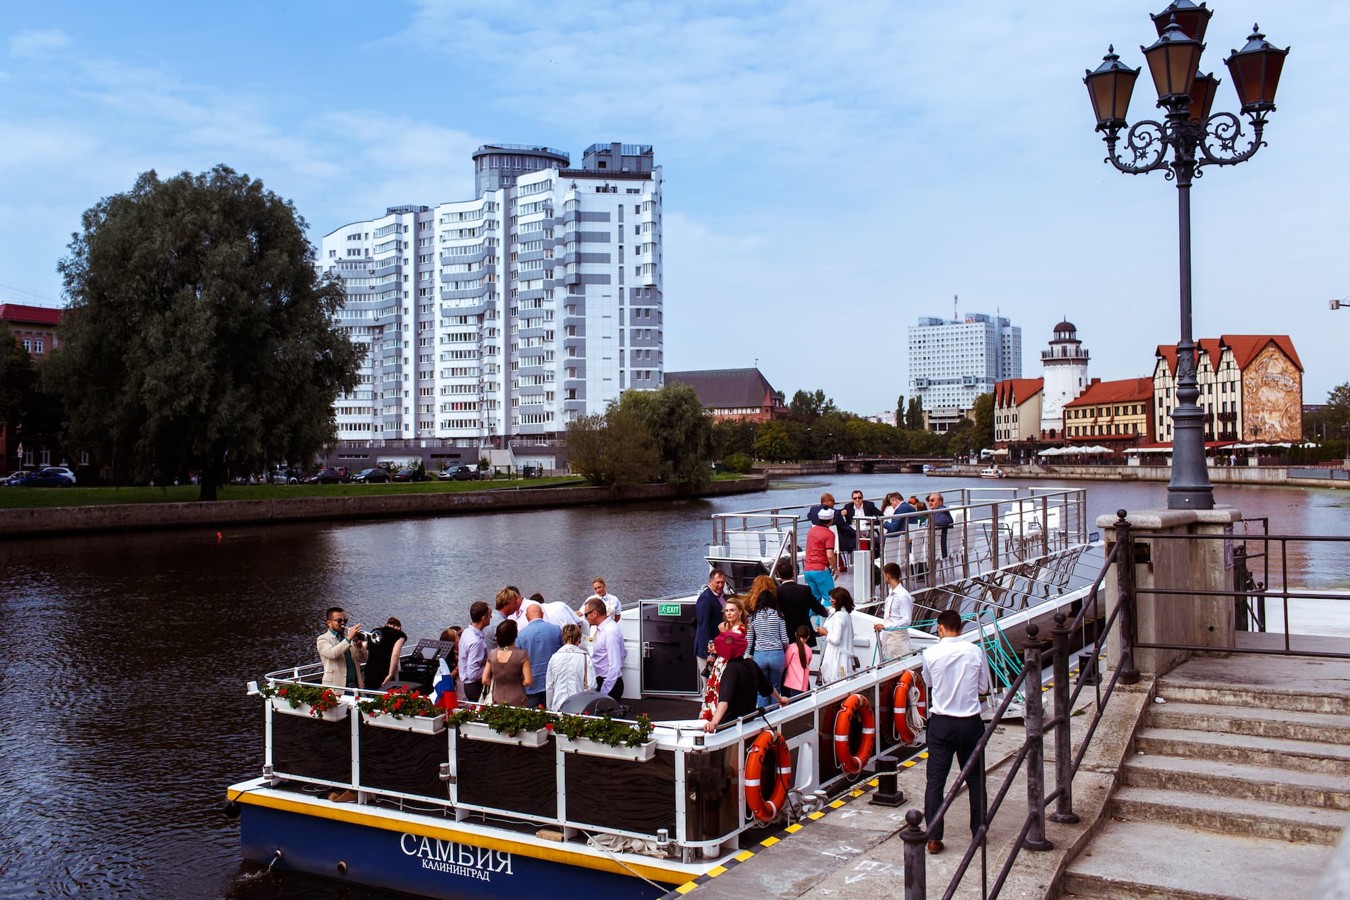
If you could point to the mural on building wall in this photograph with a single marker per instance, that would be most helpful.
(1272, 398)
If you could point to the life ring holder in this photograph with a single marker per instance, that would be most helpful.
(766, 807)
(854, 705)
(910, 680)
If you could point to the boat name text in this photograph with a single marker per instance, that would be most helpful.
(456, 859)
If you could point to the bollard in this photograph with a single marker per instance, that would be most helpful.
(1087, 667)
(888, 791)
(1063, 813)
(916, 873)
(1034, 716)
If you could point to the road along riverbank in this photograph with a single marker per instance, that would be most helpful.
(1270, 476)
(21, 523)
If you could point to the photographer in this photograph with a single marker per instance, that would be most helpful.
(342, 655)
(384, 649)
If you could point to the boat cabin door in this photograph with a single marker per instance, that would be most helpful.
(667, 636)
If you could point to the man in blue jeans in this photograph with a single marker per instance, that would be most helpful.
(821, 561)
(956, 673)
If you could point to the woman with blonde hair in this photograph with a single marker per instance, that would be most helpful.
(568, 669)
(735, 618)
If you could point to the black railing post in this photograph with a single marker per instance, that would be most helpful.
(1034, 715)
(1241, 620)
(916, 872)
(1126, 598)
(1063, 813)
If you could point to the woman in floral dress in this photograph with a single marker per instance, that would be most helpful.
(734, 617)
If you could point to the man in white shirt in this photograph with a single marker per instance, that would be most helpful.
(957, 674)
(607, 656)
(613, 605)
(897, 615)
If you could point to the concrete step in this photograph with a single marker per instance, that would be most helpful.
(1265, 723)
(1259, 696)
(1231, 815)
(1148, 860)
(1279, 753)
(1287, 786)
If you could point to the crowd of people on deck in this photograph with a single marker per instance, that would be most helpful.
(752, 650)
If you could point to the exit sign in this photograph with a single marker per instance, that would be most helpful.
(667, 609)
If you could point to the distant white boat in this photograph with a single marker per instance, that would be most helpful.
(993, 472)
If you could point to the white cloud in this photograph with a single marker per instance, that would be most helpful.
(35, 44)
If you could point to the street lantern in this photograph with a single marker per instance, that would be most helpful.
(1189, 138)
(1109, 88)
(1172, 61)
(1191, 19)
(1256, 72)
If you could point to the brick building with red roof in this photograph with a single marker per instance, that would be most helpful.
(35, 328)
(1115, 414)
(737, 395)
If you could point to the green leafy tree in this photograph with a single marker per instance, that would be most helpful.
(900, 411)
(199, 334)
(732, 437)
(809, 406)
(962, 438)
(612, 449)
(983, 413)
(914, 414)
(680, 431)
(775, 443)
(18, 377)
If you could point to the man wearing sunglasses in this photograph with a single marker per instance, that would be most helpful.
(342, 658)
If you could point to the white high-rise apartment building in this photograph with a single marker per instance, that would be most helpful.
(503, 318)
(953, 362)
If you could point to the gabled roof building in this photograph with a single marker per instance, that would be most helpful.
(742, 395)
(1116, 414)
(1251, 388)
(1017, 410)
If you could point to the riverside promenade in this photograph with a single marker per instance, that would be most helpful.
(32, 522)
(1266, 476)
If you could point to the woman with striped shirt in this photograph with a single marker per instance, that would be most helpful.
(768, 638)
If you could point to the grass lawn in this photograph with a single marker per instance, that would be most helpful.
(32, 498)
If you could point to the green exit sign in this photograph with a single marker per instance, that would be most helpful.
(667, 609)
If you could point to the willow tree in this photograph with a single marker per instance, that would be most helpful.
(200, 335)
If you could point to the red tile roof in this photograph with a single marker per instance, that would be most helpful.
(1245, 347)
(1127, 390)
(30, 315)
(726, 388)
(1016, 391)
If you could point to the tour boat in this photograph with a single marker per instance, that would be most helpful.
(465, 810)
(992, 472)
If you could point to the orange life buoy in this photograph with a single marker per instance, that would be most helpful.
(851, 763)
(764, 807)
(910, 679)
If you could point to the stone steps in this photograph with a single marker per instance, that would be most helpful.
(1263, 723)
(1253, 783)
(1181, 863)
(1253, 697)
(1277, 753)
(1231, 815)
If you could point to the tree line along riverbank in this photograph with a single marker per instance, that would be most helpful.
(122, 509)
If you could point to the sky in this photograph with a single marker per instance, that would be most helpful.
(833, 171)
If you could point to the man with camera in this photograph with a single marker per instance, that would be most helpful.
(342, 654)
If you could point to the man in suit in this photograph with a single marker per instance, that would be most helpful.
(796, 603)
(707, 616)
(342, 655)
(857, 509)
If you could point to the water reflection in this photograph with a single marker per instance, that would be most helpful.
(126, 655)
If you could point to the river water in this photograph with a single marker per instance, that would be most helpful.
(122, 688)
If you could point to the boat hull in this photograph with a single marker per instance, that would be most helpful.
(346, 844)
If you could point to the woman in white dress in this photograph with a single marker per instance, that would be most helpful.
(838, 660)
(568, 669)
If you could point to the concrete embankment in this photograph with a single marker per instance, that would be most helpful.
(1278, 476)
(143, 516)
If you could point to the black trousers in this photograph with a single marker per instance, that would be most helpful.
(616, 692)
(948, 735)
(473, 690)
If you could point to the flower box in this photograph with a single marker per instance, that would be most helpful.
(414, 724)
(336, 714)
(478, 731)
(641, 753)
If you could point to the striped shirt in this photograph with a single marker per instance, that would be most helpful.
(767, 633)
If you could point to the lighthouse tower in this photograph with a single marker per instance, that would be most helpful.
(1065, 364)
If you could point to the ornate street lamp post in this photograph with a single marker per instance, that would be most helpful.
(1188, 140)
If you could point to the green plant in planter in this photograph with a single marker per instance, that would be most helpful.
(320, 698)
(504, 719)
(399, 702)
(606, 731)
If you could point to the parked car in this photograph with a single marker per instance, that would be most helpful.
(376, 475)
(459, 473)
(285, 476)
(51, 476)
(329, 475)
(18, 475)
(408, 473)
